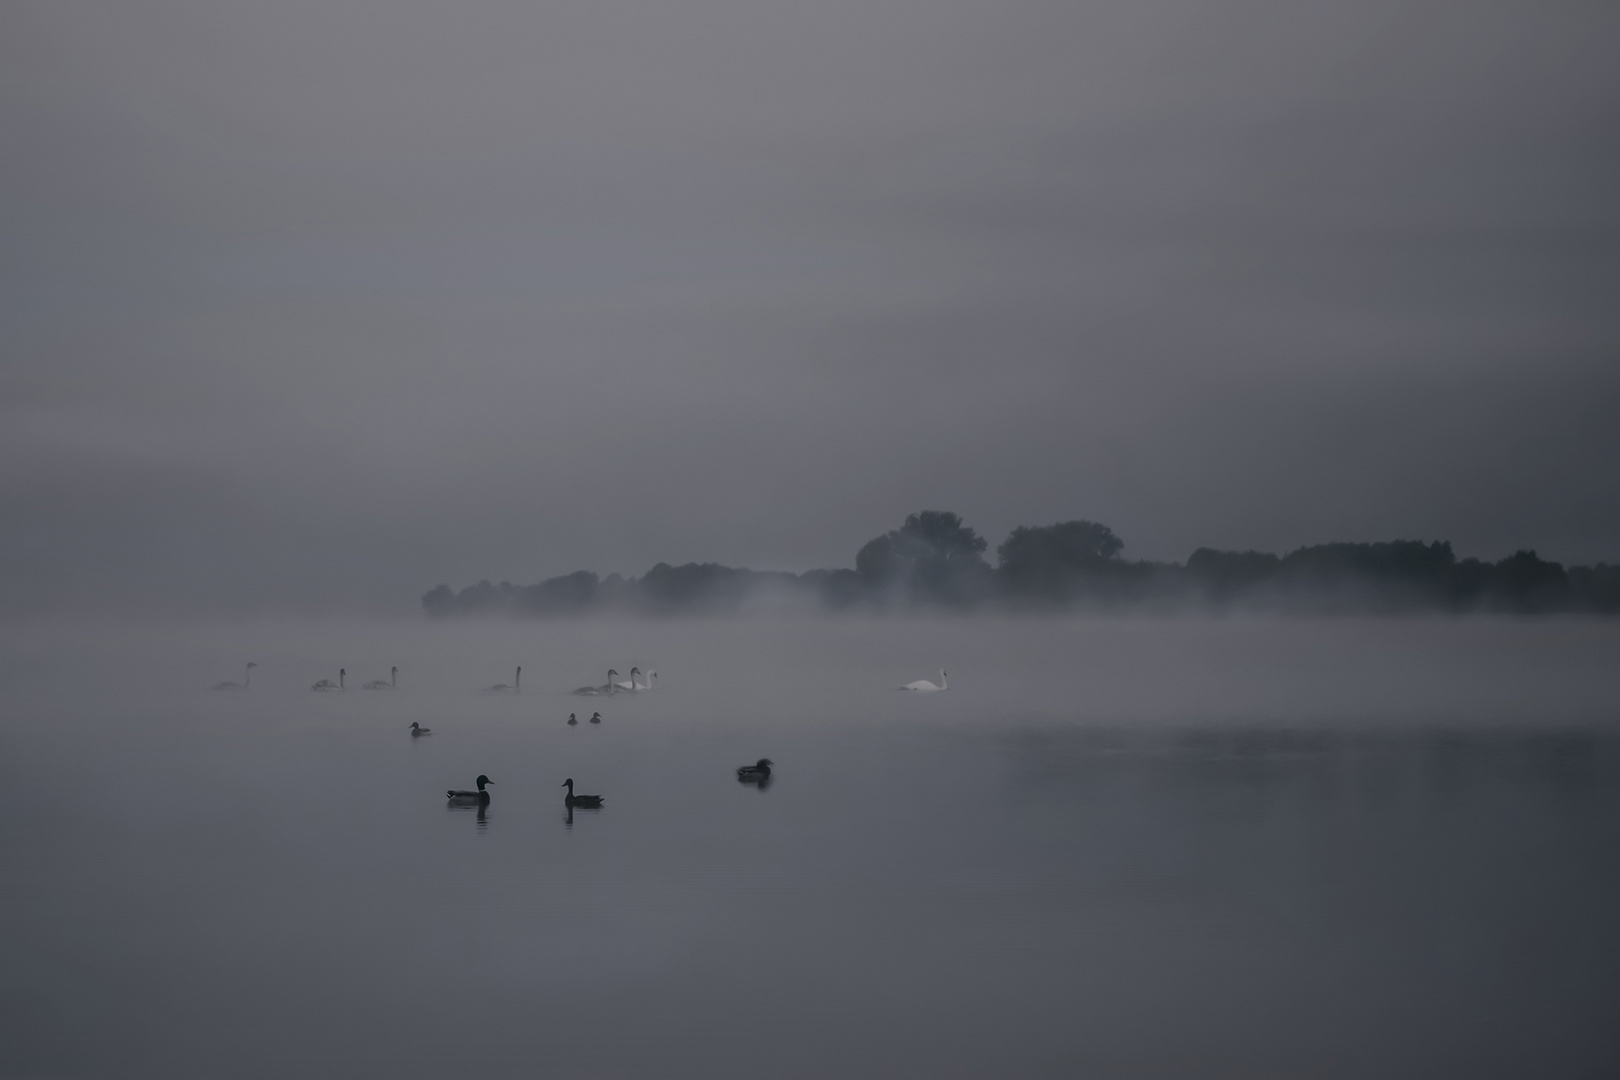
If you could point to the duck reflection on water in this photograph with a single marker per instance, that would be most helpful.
(481, 810)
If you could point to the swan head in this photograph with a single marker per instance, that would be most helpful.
(251, 664)
(482, 780)
(612, 671)
(393, 671)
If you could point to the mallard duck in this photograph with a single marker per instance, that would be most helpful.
(572, 719)
(418, 729)
(584, 802)
(391, 684)
(596, 718)
(479, 796)
(753, 774)
(327, 684)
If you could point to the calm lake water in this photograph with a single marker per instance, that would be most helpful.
(1112, 849)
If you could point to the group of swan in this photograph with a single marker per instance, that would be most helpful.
(635, 683)
(327, 685)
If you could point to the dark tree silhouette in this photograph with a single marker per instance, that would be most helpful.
(1524, 582)
(1226, 575)
(932, 558)
(935, 560)
(1057, 564)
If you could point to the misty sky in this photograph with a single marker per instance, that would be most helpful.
(323, 303)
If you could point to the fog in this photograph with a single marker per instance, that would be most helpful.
(308, 307)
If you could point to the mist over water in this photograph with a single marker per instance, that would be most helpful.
(1114, 847)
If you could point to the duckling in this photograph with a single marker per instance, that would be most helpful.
(572, 719)
(418, 729)
(756, 773)
(596, 718)
(583, 802)
(470, 797)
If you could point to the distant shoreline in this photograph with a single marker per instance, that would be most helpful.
(934, 562)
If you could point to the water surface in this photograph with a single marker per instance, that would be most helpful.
(1112, 848)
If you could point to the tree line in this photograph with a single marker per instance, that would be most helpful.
(934, 561)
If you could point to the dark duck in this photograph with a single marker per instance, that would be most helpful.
(470, 797)
(583, 802)
(757, 773)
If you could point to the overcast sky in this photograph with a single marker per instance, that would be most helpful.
(323, 303)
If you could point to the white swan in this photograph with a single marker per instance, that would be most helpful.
(924, 686)
(606, 688)
(501, 688)
(391, 684)
(243, 685)
(327, 684)
(631, 685)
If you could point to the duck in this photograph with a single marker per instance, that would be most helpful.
(247, 680)
(596, 718)
(584, 802)
(757, 773)
(924, 686)
(606, 688)
(501, 688)
(479, 796)
(391, 684)
(327, 684)
(418, 729)
(572, 719)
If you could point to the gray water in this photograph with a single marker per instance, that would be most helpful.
(1111, 849)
